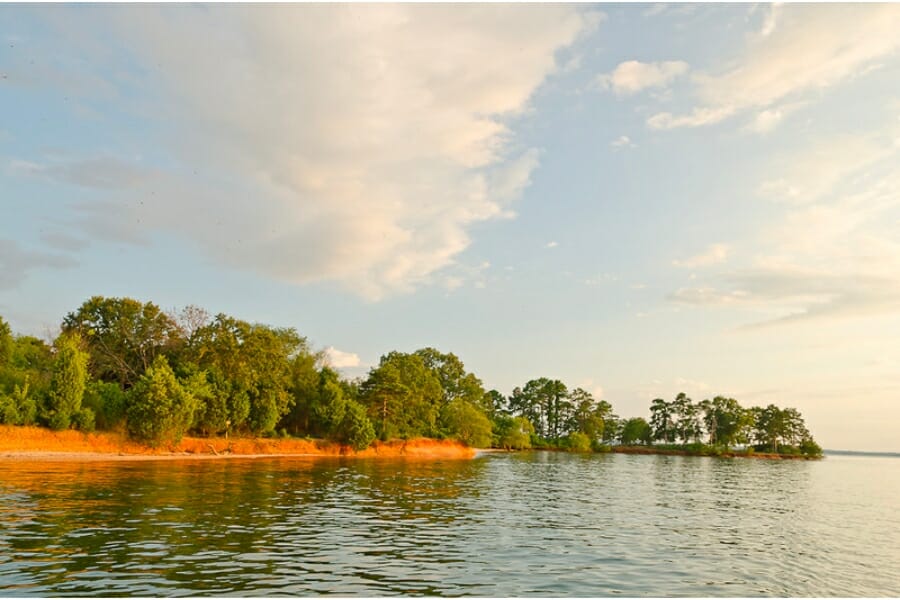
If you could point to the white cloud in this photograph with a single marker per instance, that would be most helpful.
(801, 49)
(632, 76)
(623, 141)
(339, 360)
(770, 21)
(551, 245)
(698, 117)
(833, 250)
(348, 143)
(715, 254)
(768, 119)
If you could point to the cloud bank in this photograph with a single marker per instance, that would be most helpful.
(354, 144)
(800, 50)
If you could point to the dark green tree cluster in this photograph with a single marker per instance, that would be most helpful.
(560, 417)
(725, 423)
(121, 364)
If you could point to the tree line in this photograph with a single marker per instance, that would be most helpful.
(119, 364)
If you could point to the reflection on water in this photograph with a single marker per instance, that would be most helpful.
(500, 525)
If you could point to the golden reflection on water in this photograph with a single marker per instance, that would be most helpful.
(500, 525)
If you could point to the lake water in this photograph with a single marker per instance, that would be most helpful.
(499, 525)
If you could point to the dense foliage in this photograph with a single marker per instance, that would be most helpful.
(124, 365)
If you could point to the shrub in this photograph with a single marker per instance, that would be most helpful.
(578, 442)
(356, 430)
(68, 382)
(467, 423)
(107, 401)
(159, 409)
(83, 420)
(809, 447)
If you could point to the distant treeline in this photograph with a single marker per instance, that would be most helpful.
(123, 365)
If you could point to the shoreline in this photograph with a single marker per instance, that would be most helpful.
(36, 444)
(40, 444)
(724, 454)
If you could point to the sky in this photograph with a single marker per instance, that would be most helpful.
(637, 199)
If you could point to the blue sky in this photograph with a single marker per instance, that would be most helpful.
(636, 199)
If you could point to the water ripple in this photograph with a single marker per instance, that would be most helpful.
(501, 525)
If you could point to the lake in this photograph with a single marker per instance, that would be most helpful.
(536, 523)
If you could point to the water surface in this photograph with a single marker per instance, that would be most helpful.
(500, 525)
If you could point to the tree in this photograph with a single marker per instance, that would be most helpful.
(770, 426)
(636, 430)
(587, 414)
(67, 383)
(724, 419)
(330, 407)
(251, 367)
(402, 396)
(356, 428)
(467, 423)
(494, 403)
(107, 401)
(809, 447)
(123, 336)
(661, 421)
(159, 410)
(687, 419)
(545, 404)
(578, 442)
(513, 433)
(456, 383)
(6, 342)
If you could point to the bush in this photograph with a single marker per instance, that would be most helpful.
(83, 420)
(19, 408)
(9, 412)
(159, 408)
(467, 423)
(107, 402)
(512, 433)
(598, 446)
(68, 383)
(809, 447)
(577, 442)
(356, 430)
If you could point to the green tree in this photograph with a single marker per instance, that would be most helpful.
(512, 433)
(68, 382)
(661, 420)
(809, 447)
(356, 428)
(467, 423)
(330, 406)
(107, 401)
(6, 343)
(636, 430)
(160, 410)
(123, 336)
(251, 367)
(724, 419)
(18, 407)
(403, 397)
(769, 426)
(494, 403)
(587, 414)
(456, 383)
(545, 404)
(578, 442)
(687, 418)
